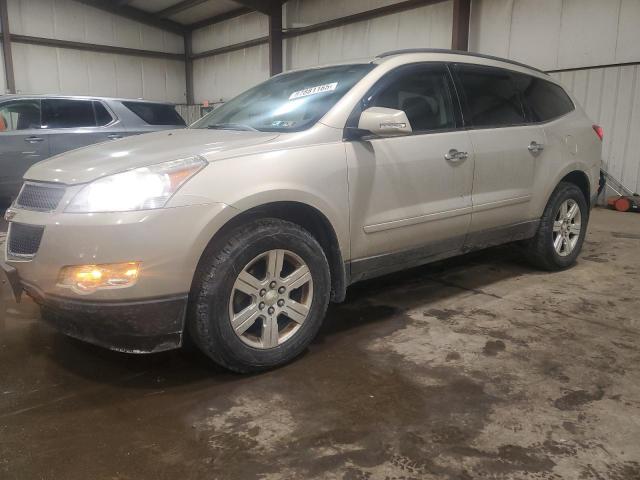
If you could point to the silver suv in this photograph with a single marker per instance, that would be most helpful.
(35, 127)
(238, 231)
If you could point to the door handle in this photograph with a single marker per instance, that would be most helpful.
(535, 147)
(114, 136)
(454, 155)
(34, 139)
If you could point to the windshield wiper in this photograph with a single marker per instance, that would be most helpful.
(232, 126)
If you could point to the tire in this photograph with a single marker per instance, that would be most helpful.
(219, 294)
(540, 250)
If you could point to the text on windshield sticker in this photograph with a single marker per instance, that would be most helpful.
(329, 87)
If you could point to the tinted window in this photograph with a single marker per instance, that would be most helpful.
(288, 102)
(543, 100)
(491, 96)
(423, 93)
(19, 115)
(155, 113)
(61, 113)
(103, 117)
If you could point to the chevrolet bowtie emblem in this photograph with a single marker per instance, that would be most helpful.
(10, 215)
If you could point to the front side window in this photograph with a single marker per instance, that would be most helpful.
(491, 97)
(19, 115)
(422, 92)
(544, 100)
(63, 113)
(287, 103)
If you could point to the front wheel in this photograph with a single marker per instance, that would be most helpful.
(562, 229)
(259, 300)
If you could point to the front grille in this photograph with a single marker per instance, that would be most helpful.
(39, 197)
(24, 240)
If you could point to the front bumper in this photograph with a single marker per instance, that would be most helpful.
(146, 317)
(144, 326)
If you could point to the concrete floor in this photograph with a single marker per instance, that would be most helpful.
(475, 368)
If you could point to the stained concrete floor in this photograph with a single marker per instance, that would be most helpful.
(474, 368)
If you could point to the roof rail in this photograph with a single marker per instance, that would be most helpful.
(457, 52)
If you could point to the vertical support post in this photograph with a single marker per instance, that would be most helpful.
(188, 65)
(460, 31)
(6, 47)
(275, 37)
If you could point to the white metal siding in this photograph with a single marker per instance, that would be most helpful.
(236, 30)
(557, 34)
(88, 73)
(224, 76)
(40, 69)
(611, 98)
(3, 78)
(428, 26)
(74, 21)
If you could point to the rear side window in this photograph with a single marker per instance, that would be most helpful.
(63, 113)
(103, 117)
(19, 115)
(544, 100)
(423, 93)
(155, 113)
(492, 99)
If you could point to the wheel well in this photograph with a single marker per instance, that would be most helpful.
(580, 180)
(309, 218)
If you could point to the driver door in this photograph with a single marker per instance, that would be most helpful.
(409, 203)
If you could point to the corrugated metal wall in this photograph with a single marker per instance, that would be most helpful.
(3, 78)
(611, 97)
(77, 72)
(224, 76)
(577, 34)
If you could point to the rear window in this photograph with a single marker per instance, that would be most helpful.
(155, 113)
(544, 100)
(492, 99)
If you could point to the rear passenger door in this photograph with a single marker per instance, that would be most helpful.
(22, 142)
(507, 146)
(71, 123)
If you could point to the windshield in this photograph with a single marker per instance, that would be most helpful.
(288, 102)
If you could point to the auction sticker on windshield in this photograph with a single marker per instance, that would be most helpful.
(328, 87)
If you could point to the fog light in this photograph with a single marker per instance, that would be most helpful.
(89, 278)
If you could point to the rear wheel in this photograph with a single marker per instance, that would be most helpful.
(259, 300)
(562, 229)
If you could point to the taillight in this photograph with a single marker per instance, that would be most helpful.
(599, 131)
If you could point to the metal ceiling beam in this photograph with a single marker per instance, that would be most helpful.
(257, 5)
(219, 18)
(92, 47)
(135, 14)
(177, 8)
(6, 47)
(360, 17)
(460, 30)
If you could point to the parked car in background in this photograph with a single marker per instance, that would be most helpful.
(35, 127)
(239, 230)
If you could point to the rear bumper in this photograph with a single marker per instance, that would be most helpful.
(143, 326)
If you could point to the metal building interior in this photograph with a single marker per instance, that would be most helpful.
(474, 367)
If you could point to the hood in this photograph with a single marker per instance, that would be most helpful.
(89, 163)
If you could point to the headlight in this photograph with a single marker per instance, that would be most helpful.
(144, 188)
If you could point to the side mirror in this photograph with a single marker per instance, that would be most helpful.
(384, 122)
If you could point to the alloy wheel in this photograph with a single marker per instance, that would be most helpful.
(271, 299)
(567, 227)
